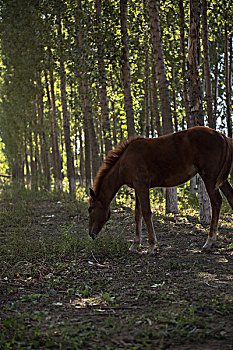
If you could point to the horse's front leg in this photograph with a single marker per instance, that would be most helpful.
(138, 221)
(143, 196)
(216, 202)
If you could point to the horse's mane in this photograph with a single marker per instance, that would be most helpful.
(110, 160)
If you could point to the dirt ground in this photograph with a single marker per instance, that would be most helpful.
(60, 290)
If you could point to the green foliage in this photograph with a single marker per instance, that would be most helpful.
(3, 161)
(30, 46)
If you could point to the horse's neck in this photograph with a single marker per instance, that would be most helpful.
(110, 185)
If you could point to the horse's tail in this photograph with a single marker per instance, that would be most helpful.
(227, 161)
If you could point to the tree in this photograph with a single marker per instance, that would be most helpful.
(102, 81)
(126, 69)
(195, 94)
(100, 72)
(227, 85)
(43, 140)
(183, 64)
(54, 132)
(171, 194)
(66, 122)
(91, 145)
(207, 64)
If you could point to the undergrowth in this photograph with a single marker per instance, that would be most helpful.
(61, 289)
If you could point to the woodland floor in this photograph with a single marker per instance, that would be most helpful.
(60, 290)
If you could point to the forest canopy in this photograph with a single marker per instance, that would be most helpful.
(77, 77)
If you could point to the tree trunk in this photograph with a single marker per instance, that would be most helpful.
(90, 139)
(204, 202)
(215, 85)
(207, 64)
(126, 69)
(88, 182)
(227, 88)
(155, 101)
(34, 184)
(195, 95)
(146, 89)
(102, 81)
(57, 171)
(100, 138)
(151, 110)
(157, 49)
(174, 100)
(114, 128)
(81, 158)
(230, 71)
(43, 141)
(183, 65)
(66, 122)
(27, 165)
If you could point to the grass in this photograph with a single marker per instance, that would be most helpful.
(61, 290)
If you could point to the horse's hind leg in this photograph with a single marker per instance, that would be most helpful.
(138, 220)
(216, 202)
(143, 196)
(227, 190)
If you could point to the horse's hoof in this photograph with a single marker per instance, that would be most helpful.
(134, 247)
(206, 248)
(152, 250)
(208, 244)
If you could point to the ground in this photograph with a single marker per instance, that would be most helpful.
(61, 290)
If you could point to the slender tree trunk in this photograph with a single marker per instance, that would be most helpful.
(147, 73)
(101, 140)
(34, 184)
(43, 141)
(155, 101)
(66, 122)
(227, 88)
(37, 161)
(183, 65)
(230, 72)
(81, 158)
(88, 179)
(27, 166)
(151, 110)
(174, 100)
(195, 95)
(215, 86)
(103, 85)
(91, 139)
(207, 64)
(196, 109)
(126, 69)
(114, 127)
(58, 183)
(157, 49)
(146, 89)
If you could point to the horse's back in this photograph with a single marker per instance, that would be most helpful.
(173, 159)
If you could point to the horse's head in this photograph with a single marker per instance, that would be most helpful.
(99, 214)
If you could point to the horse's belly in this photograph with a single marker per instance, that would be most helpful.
(173, 177)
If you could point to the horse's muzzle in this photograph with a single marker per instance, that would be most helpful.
(92, 233)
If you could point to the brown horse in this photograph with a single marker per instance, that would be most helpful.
(166, 161)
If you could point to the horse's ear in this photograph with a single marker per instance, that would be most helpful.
(92, 194)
